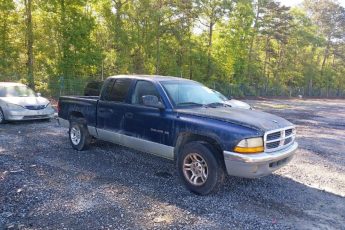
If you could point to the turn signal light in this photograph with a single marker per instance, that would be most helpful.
(249, 149)
(250, 145)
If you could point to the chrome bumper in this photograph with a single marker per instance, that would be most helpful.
(25, 114)
(258, 165)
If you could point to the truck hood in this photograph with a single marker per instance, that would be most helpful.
(25, 101)
(250, 118)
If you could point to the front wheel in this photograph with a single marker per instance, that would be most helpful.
(2, 117)
(199, 168)
(79, 135)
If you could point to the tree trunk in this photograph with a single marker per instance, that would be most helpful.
(325, 57)
(310, 85)
(64, 46)
(30, 42)
(209, 52)
(158, 44)
(249, 74)
(190, 58)
(265, 64)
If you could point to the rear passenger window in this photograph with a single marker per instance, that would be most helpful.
(108, 85)
(120, 90)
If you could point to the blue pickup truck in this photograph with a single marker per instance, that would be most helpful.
(184, 121)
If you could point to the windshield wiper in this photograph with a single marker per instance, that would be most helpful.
(190, 103)
(215, 104)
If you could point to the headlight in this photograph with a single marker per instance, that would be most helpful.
(14, 106)
(251, 145)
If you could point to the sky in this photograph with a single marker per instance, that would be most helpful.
(296, 2)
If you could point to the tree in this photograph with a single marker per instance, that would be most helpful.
(242, 47)
(29, 43)
(211, 12)
(329, 16)
(9, 52)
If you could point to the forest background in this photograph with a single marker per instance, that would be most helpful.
(238, 47)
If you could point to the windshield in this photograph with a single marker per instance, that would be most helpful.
(16, 91)
(221, 96)
(183, 93)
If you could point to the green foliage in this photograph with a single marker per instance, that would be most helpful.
(242, 47)
(9, 50)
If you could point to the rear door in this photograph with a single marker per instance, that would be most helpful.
(112, 105)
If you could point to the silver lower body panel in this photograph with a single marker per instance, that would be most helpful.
(139, 144)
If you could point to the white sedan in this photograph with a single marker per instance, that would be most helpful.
(19, 102)
(232, 102)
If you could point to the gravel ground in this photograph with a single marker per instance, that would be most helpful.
(45, 184)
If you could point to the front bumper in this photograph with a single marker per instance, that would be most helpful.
(258, 165)
(26, 114)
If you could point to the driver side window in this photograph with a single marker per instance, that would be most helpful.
(143, 88)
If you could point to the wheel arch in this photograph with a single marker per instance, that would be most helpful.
(187, 137)
(75, 115)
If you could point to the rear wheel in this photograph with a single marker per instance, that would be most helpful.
(2, 117)
(79, 135)
(199, 168)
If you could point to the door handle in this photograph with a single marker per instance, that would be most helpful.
(105, 110)
(129, 115)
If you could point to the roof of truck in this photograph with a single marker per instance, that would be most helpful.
(151, 77)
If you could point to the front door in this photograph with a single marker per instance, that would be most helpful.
(149, 124)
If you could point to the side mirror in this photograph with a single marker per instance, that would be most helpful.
(152, 101)
(38, 94)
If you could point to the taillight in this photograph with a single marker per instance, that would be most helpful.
(58, 107)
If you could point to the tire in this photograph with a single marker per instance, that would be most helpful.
(200, 168)
(2, 117)
(79, 135)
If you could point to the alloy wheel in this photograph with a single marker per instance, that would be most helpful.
(195, 169)
(75, 135)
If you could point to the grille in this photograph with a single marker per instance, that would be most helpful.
(35, 107)
(278, 139)
(288, 132)
(273, 136)
(273, 145)
(288, 141)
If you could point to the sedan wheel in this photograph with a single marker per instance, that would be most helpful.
(2, 117)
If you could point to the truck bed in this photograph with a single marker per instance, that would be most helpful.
(85, 105)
